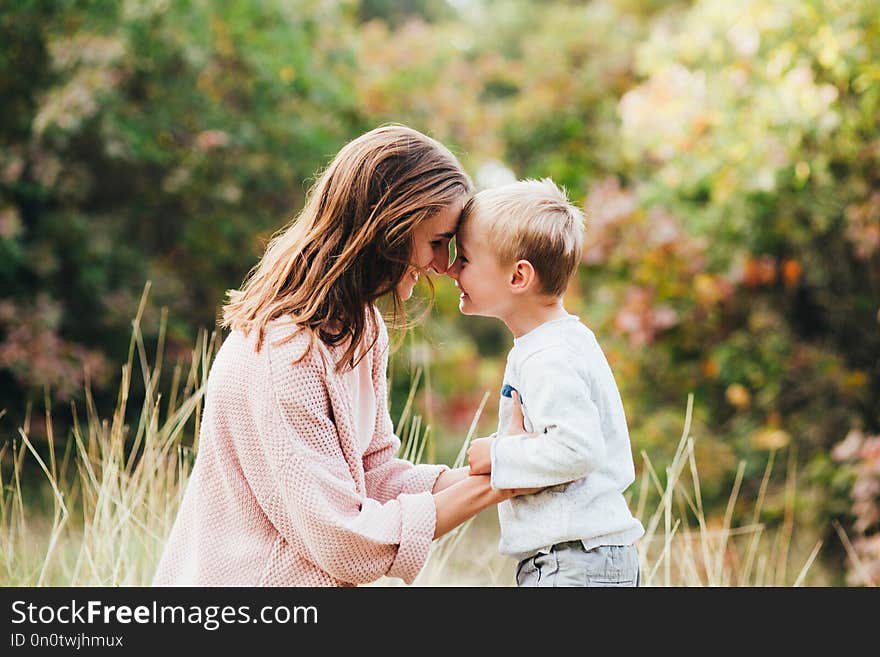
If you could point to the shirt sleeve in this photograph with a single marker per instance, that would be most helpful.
(558, 404)
(306, 488)
(387, 476)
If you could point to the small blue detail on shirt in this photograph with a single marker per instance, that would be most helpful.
(506, 390)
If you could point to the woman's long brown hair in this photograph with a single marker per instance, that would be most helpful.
(351, 243)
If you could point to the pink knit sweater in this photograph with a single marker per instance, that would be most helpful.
(280, 494)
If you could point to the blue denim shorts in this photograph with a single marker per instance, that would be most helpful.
(569, 564)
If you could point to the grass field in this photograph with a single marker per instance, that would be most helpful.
(103, 507)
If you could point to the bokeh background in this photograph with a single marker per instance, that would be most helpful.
(727, 156)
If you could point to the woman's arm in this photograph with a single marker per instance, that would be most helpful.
(464, 499)
(385, 474)
(290, 454)
(448, 478)
(467, 497)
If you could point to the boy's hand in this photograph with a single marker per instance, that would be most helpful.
(517, 422)
(479, 451)
(479, 456)
(517, 425)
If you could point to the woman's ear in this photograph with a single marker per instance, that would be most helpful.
(522, 277)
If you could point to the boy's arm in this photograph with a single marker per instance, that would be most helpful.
(479, 451)
(557, 401)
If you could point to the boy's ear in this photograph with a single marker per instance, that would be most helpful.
(522, 276)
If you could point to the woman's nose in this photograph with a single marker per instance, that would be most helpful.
(440, 265)
(452, 270)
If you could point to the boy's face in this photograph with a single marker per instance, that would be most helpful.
(481, 279)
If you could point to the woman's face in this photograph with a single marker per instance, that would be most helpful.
(430, 248)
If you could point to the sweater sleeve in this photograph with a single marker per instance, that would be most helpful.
(386, 476)
(557, 402)
(309, 493)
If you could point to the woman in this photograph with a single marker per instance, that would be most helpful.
(296, 481)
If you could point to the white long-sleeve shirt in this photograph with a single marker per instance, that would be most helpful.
(571, 399)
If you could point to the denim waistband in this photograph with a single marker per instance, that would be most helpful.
(568, 545)
(575, 545)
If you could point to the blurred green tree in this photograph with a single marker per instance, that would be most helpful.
(162, 141)
(726, 156)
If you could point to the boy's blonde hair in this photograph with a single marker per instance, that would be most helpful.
(531, 220)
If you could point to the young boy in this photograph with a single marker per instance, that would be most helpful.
(517, 247)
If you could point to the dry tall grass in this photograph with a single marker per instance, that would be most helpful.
(114, 494)
(680, 547)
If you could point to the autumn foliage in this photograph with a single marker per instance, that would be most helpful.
(727, 156)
